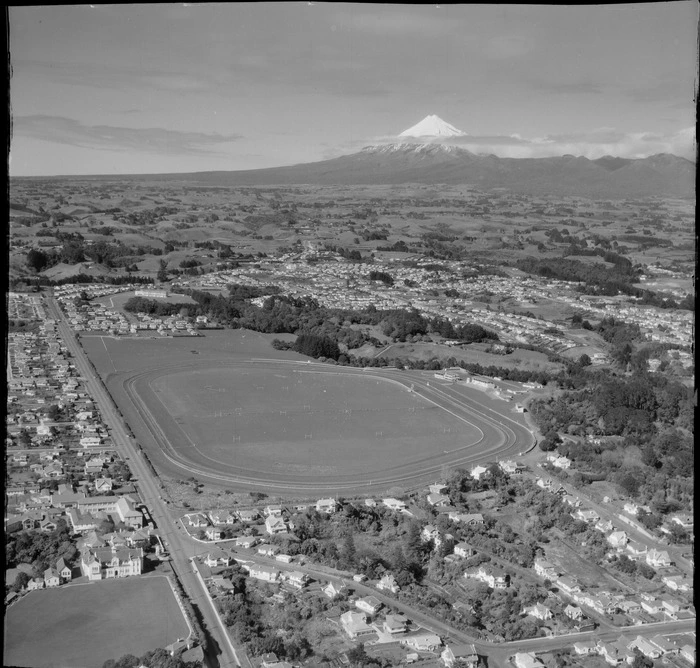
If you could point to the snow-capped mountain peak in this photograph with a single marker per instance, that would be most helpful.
(432, 126)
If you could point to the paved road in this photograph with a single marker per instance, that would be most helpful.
(222, 654)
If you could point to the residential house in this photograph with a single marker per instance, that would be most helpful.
(573, 612)
(648, 649)
(470, 519)
(604, 526)
(35, 583)
(672, 606)
(103, 485)
(274, 524)
(431, 533)
(246, 541)
(462, 654)
(658, 558)
(388, 583)
(651, 605)
(213, 533)
(496, 578)
(265, 573)
(273, 511)
(197, 520)
(585, 647)
(438, 500)
(677, 582)
(395, 624)
(297, 579)
(394, 504)
(571, 500)
(539, 611)
(369, 604)
(423, 641)
(51, 577)
(510, 467)
(222, 517)
(355, 625)
(478, 471)
(64, 570)
(464, 551)
(586, 515)
(335, 588)
(526, 660)
(223, 584)
(635, 549)
(618, 540)
(545, 569)
(216, 558)
(248, 516)
(370, 503)
(664, 644)
(268, 550)
(327, 506)
(437, 488)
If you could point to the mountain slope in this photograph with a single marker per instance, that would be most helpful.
(436, 163)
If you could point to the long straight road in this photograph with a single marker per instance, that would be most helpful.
(221, 653)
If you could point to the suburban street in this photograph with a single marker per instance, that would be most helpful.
(181, 548)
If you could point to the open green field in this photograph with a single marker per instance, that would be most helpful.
(81, 626)
(235, 412)
(302, 422)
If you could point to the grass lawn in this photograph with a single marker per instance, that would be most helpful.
(81, 626)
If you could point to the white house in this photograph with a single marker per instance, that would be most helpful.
(423, 641)
(355, 625)
(328, 506)
(462, 653)
(394, 504)
(369, 604)
(538, 611)
(617, 539)
(388, 583)
(463, 550)
(335, 588)
(478, 471)
(264, 573)
(274, 525)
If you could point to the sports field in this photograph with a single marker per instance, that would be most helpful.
(81, 626)
(216, 408)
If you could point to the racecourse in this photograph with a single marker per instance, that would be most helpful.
(239, 414)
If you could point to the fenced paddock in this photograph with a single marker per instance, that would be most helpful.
(83, 625)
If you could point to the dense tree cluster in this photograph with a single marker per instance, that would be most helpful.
(316, 346)
(157, 658)
(40, 549)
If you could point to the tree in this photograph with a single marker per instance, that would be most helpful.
(37, 259)
(349, 551)
(20, 581)
(584, 360)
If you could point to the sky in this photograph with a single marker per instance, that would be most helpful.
(128, 89)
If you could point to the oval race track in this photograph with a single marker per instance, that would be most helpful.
(169, 446)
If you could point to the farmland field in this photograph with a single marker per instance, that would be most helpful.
(81, 626)
(239, 420)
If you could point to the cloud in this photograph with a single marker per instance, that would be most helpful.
(593, 144)
(159, 141)
(567, 87)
